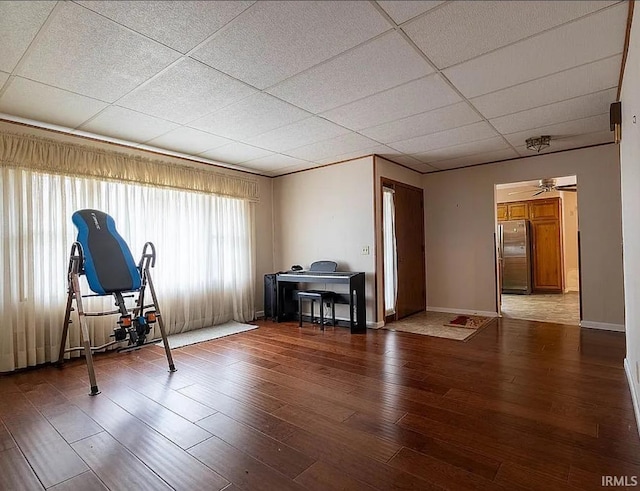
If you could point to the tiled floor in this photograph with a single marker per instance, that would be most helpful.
(558, 308)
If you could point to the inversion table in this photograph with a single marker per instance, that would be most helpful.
(102, 255)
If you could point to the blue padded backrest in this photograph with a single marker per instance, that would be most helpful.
(108, 263)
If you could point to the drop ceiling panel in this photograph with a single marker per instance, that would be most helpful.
(589, 39)
(362, 152)
(188, 140)
(186, 91)
(576, 108)
(403, 11)
(180, 25)
(251, 116)
(83, 52)
(295, 135)
(464, 134)
(236, 153)
(592, 77)
(375, 66)
(275, 40)
(126, 124)
(462, 150)
(40, 102)
(406, 100)
(570, 142)
(423, 124)
(19, 24)
(563, 130)
(480, 158)
(3, 78)
(461, 30)
(274, 162)
(333, 147)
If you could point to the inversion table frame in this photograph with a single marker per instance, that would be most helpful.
(135, 326)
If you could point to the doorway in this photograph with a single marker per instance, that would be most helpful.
(404, 279)
(537, 239)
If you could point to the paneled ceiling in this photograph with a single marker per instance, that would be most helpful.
(274, 87)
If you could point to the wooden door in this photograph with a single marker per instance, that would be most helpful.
(547, 255)
(410, 247)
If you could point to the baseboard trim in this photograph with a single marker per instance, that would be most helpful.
(603, 326)
(259, 314)
(375, 325)
(448, 310)
(634, 395)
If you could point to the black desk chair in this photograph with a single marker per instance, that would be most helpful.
(321, 295)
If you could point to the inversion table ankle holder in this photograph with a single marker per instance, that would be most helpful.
(102, 255)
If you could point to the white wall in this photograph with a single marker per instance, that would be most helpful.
(630, 179)
(460, 226)
(387, 169)
(327, 213)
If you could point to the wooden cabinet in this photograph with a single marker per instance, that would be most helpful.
(546, 239)
(513, 211)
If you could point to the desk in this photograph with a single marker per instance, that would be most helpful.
(355, 297)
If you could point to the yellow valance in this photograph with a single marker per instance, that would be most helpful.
(70, 159)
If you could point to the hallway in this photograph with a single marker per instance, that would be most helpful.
(558, 308)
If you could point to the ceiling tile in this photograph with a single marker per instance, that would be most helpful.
(186, 91)
(377, 65)
(301, 133)
(41, 102)
(236, 153)
(576, 108)
(3, 78)
(251, 116)
(334, 146)
(85, 53)
(403, 11)
(406, 100)
(440, 119)
(461, 30)
(476, 158)
(291, 169)
(463, 150)
(362, 152)
(179, 25)
(188, 140)
(273, 163)
(275, 40)
(125, 124)
(562, 130)
(589, 39)
(19, 24)
(456, 136)
(592, 77)
(570, 142)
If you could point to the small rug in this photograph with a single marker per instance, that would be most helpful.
(435, 324)
(468, 321)
(207, 334)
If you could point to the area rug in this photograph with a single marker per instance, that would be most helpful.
(207, 334)
(468, 321)
(435, 324)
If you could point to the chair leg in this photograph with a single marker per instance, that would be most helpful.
(333, 312)
(321, 314)
(299, 311)
(313, 317)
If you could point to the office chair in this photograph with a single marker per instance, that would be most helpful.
(320, 295)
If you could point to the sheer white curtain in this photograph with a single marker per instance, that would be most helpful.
(390, 252)
(204, 271)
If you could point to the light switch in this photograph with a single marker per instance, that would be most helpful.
(365, 250)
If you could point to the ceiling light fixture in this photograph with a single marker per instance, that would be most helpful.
(538, 143)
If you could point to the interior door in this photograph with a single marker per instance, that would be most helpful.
(409, 206)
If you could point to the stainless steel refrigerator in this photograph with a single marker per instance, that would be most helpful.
(514, 254)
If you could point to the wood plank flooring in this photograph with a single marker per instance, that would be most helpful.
(522, 405)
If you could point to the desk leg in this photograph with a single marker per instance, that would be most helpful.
(351, 308)
(361, 313)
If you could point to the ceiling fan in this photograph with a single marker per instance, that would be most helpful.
(548, 185)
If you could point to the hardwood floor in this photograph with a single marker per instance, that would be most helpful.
(522, 405)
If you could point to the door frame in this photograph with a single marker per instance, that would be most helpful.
(390, 183)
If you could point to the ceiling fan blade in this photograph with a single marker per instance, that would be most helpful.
(521, 192)
(571, 190)
(567, 187)
(539, 192)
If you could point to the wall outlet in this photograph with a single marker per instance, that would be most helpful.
(365, 250)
